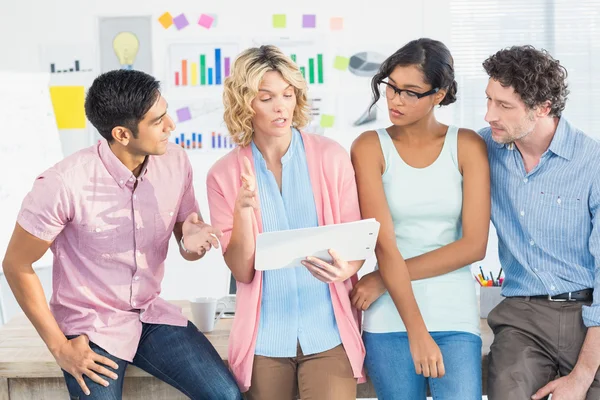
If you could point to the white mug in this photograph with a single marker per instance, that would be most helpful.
(203, 312)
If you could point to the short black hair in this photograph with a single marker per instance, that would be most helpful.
(432, 57)
(120, 98)
(533, 74)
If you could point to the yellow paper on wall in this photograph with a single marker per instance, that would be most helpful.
(67, 102)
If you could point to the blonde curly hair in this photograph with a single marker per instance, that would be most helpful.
(241, 87)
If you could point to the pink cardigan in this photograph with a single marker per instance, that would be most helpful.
(336, 199)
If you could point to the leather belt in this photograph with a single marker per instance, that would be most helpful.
(580, 295)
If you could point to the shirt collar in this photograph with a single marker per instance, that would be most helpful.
(120, 173)
(286, 157)
(562, 143)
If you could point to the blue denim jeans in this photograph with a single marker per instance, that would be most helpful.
(391, 369)
(179, 356)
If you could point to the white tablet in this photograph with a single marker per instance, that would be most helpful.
(284, 249)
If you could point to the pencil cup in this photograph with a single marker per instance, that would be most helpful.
(489, 297)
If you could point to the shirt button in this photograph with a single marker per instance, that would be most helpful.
(137, 226)
(552, 287)
(531, 242)
(139, 253)
(525, 180)
(522, 213)
(121, 181)
(135, 196)
(131, 179)
(133, 303)
(171, 213)
(559, 200)
(535, 269)
(98, 230)
(136, 278)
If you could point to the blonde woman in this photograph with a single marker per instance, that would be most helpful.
(294, 329)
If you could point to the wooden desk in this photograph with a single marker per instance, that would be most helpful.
(28, 370)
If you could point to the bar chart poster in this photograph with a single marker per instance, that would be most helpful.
(200, 66)
(310, 56)
(199, 126)
(67, 59)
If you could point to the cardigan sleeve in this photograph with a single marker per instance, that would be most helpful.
(220, 203)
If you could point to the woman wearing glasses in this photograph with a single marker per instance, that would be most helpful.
(428, 185)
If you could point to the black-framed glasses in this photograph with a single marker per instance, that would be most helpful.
(409, 97)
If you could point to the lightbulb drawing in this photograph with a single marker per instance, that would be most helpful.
(126, 46)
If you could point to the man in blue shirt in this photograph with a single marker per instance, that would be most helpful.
(545, 176)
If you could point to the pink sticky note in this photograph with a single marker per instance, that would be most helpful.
(206, 21)
(180, 21)
(336, 23)
(309, 21)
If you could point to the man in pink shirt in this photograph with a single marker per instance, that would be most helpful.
(107, 213)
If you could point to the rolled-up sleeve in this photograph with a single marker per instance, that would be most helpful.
(47, 208)
(591, 314)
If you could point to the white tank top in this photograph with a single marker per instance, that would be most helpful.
(426, 208)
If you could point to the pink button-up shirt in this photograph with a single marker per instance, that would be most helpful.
(110, 239)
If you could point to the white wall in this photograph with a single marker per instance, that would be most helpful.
(382, 25)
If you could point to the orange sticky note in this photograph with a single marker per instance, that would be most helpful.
(336, 23)
(166, 20)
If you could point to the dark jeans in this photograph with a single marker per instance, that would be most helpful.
(179, 356)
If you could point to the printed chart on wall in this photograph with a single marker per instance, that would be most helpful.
(310, 56)
(200, 127)
(195, 67)
(70, 60)
(312, 59)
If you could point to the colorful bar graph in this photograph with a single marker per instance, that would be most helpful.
(176, 78)
(217, 66)
(194, 73)
(320, 67)
(315, 72)
(202, 69)
(311, 70)
(227, 61)
(184, 72)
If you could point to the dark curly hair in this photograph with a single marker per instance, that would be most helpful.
(533, 74)
(432, 57)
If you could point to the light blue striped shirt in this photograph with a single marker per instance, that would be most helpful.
(548, 220)
(295, 306)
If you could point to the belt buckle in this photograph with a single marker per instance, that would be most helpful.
(550, 298)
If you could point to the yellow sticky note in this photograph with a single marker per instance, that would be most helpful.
(67, 102)
(336, 23)
(279, 21)
(327, 121)
(166, 20)
(341, 63)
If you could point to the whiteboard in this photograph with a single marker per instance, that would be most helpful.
(30, 144)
